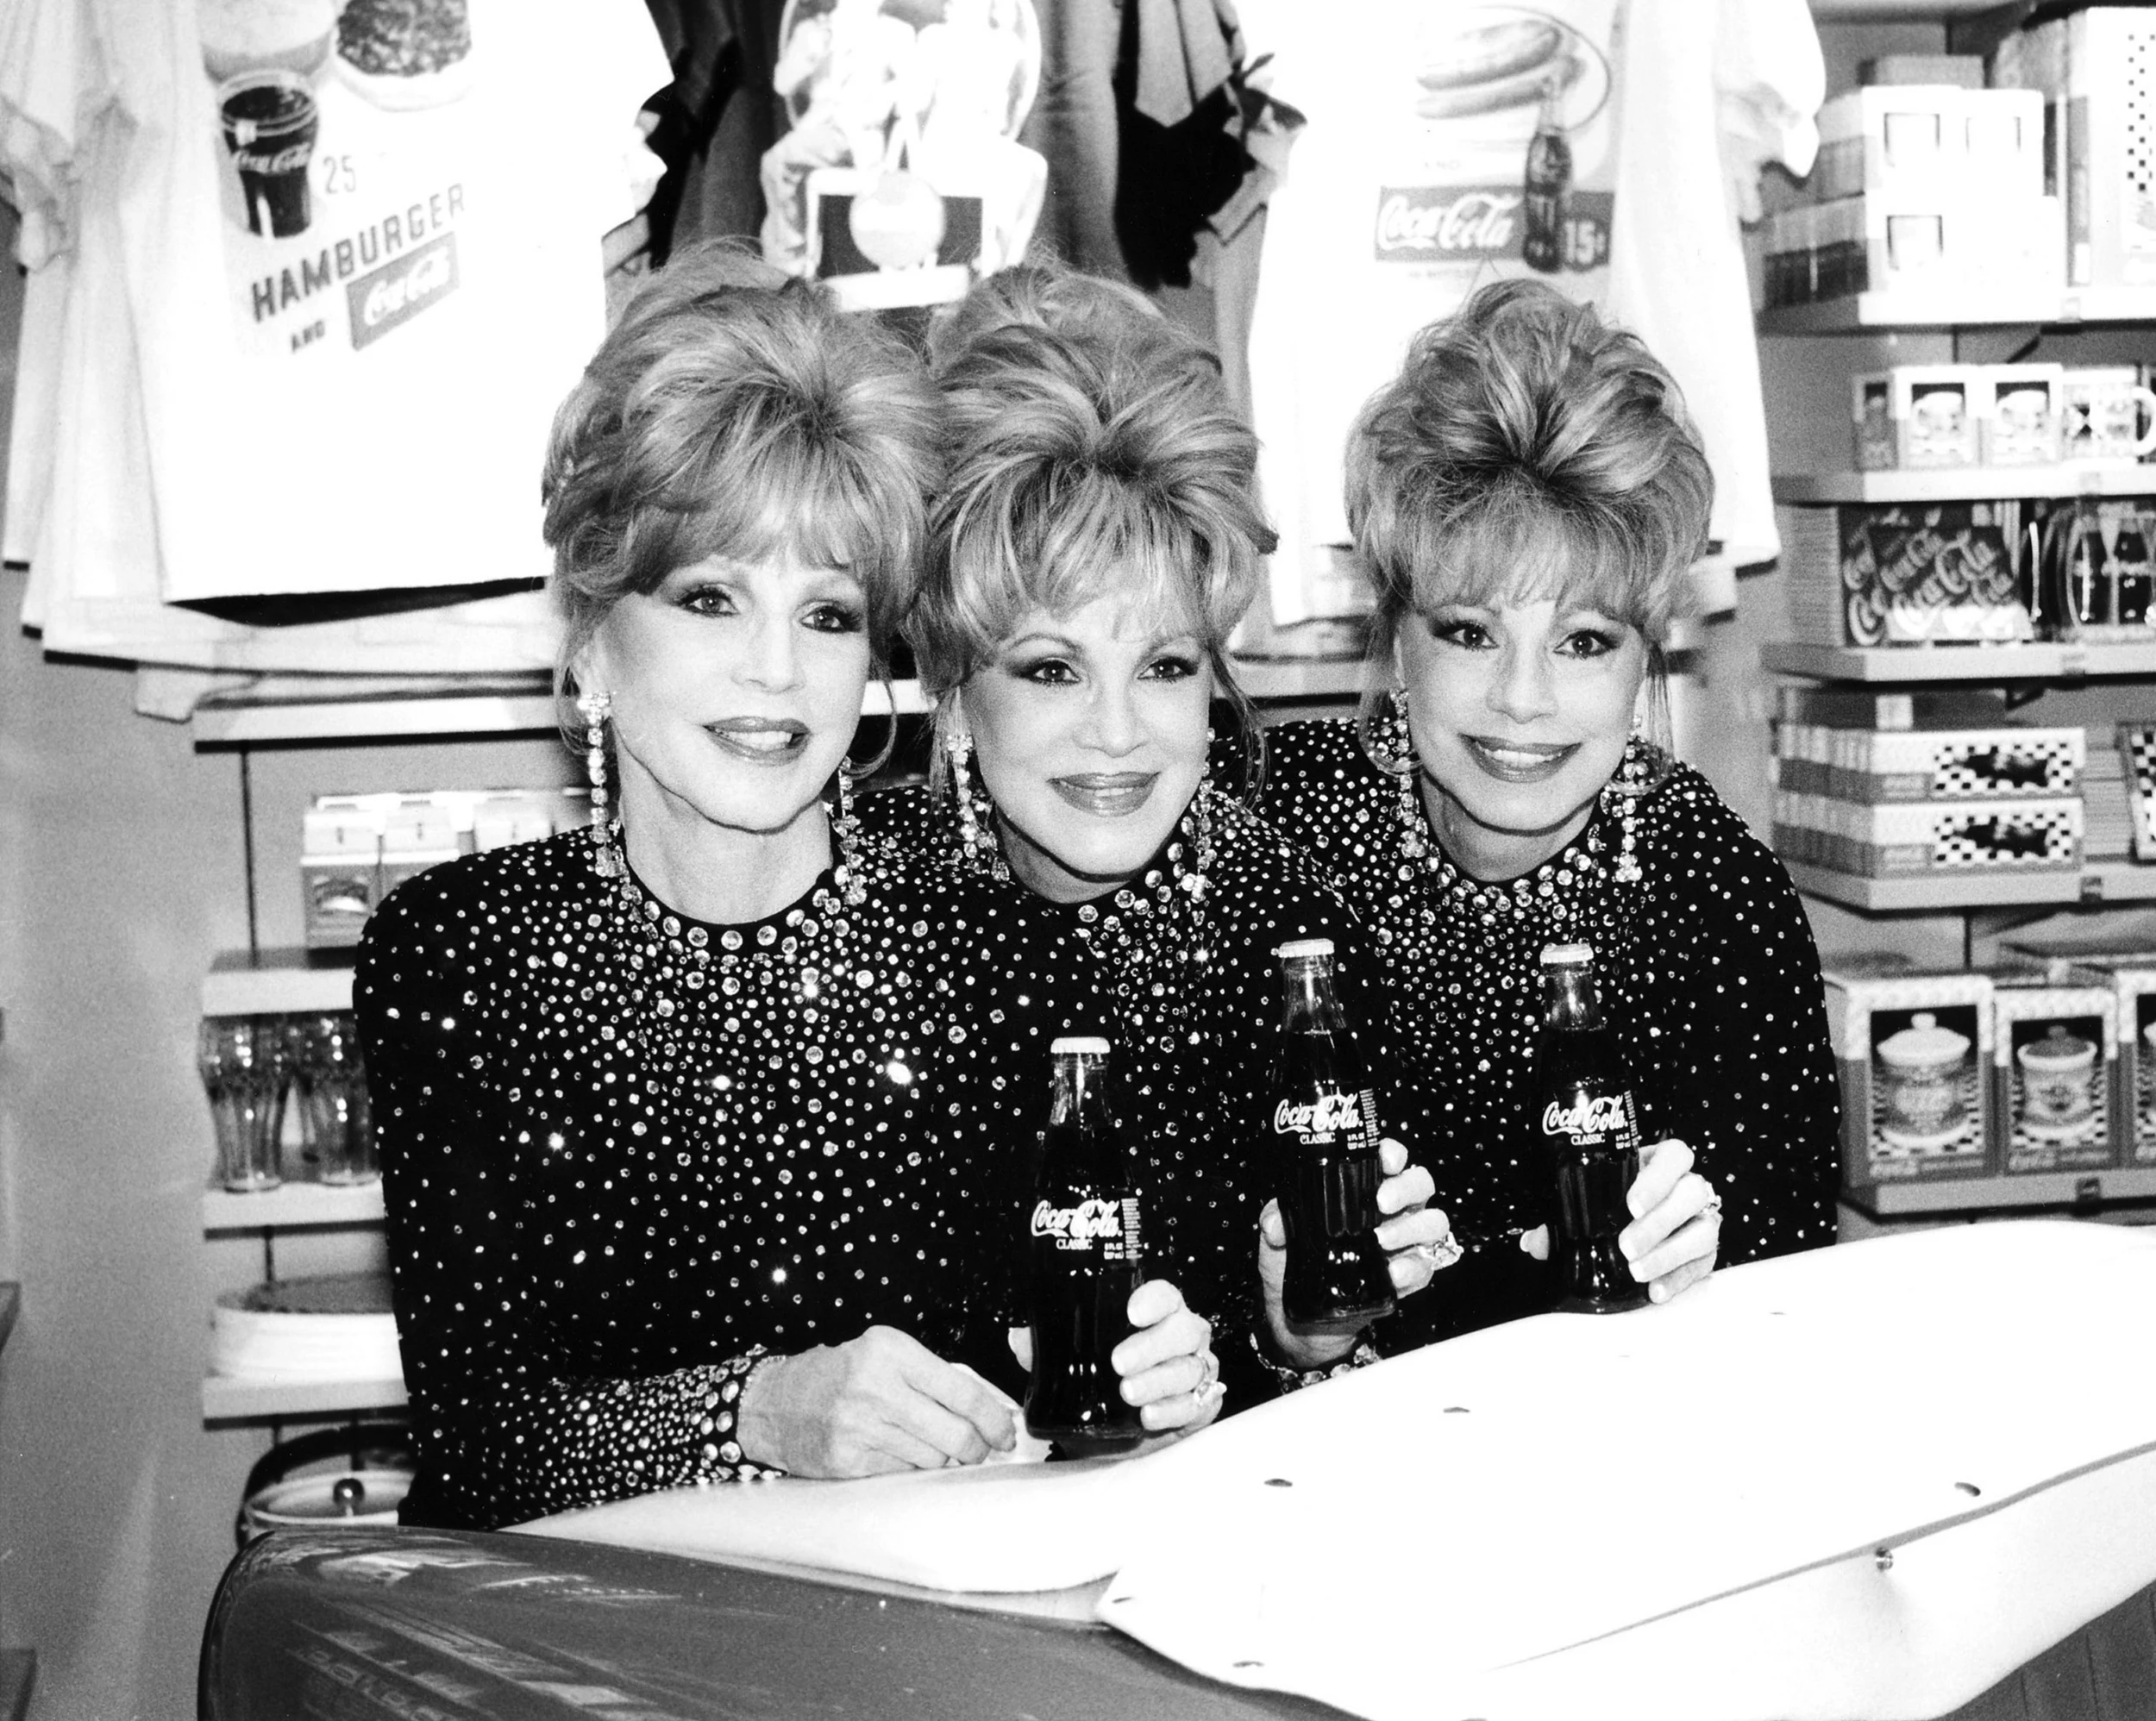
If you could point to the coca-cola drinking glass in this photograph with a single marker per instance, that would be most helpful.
(336, 1141)
(245, 1065)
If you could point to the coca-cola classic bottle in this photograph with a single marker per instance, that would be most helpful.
(1084, 1257)
(1588, 1127)
(1325, 1168)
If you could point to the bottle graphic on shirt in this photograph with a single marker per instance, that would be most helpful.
(1548, 186)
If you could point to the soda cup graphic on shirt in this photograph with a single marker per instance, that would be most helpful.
(270, 122)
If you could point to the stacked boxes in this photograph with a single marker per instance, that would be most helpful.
(2095, 73)
(357, 848)
(1891, 792)
(1914, 1050)
(2131, 981)
(1920, 187)
(1922, 418)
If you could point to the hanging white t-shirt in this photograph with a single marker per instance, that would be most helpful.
(361, 288)
(1411, 184)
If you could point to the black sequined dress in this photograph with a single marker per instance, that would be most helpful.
(1183, 981)
(621, 1148)
(1706, 970)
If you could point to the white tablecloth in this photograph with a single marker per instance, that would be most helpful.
(1863, 1482)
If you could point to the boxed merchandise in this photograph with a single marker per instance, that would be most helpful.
(1931, 138)
(2021, 410)
(2130, 978)
(1906, 838)
(1866, 708)
(1913, 1050)
(417, 832)
(1919, 416)
(2093, 71)
(1916, 242)
(1962, 70)
(2051, 1057)
(1898, 574)
(1929, 764)
(339, 870)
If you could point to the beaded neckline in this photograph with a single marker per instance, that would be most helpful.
(702, 955)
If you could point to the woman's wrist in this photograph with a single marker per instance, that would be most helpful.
(1293, 1377)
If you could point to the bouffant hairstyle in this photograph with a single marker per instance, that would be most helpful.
(1097, 454)
(1527, 449)
(733, 412)
(1048, 295)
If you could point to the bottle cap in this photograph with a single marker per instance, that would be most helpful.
(1080, 1045)
(1566, 955)
(1304, 948)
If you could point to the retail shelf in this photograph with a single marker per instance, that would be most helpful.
(1932, 892)
(228, 1398)
(1965, 483)
(1990, 1194)
(11, 1301)
(287, 709)
(1960, 308)
(302, 709)
(2061, 661)
(18, 1672)
(1869, 11)
(291, 1206)
(276, 982)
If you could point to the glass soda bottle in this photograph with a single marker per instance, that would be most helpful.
(1325, 1168)
(1588, 1125)
(1546, 190)
(1086, 1256)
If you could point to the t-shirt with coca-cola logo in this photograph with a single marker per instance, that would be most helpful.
(359, 249)
(1584, 142)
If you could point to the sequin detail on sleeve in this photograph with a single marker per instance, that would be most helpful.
(624, 1153)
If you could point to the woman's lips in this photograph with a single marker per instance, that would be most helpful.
(1107, 794)
(760, 740)
(1518, 762)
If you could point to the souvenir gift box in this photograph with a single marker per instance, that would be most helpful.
(1894, 573)
(1909, 242)
(2130, 979)
(1930, 137)
(1913, 839)
(1925, 416)
(355, 849)
(2052, 1075)
(1872, 767)
(1914, 1050)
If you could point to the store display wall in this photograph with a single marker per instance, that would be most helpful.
(123, 872)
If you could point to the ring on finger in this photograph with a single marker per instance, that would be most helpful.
(1440, 1252)
(1712, 1212)
(1208, 1387)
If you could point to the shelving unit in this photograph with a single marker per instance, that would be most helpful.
(281, 709)
(2113, 882)
(1889, 665)
(1962, 307)
(2085, 1189)
(1964, 483)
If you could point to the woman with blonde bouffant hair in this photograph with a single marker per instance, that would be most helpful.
(1527, 495)
(1096, 539)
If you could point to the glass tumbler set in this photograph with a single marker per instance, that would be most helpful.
(251, 1064)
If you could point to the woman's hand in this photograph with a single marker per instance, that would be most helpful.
(880, 1402)
(1676, 1225)
(1417, 1238)
(1166, 1366)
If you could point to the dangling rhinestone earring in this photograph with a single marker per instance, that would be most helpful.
(846, 829)
(595, 709)
(977, 850)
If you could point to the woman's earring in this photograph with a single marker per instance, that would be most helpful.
(846, 829)
(595, 709)
(976, 840)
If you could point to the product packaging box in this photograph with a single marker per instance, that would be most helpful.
(1930, 763)
(2092, 69)
(1943, 839)
(1914, 1050)
(1909, 242)
(1920, 417)
(339, 870)
(2021, 411)
(2130, 979)
(1893, 573)
(1962, 70)
(419, 832)
(1931, 138)
(2051, 1077)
